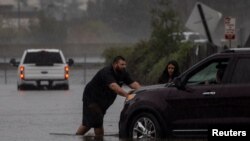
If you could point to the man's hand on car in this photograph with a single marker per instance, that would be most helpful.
(130, 96)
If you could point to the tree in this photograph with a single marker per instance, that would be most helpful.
(148, 58)
(165, 22)
(161, 43)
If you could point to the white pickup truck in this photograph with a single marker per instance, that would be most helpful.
(41, 68)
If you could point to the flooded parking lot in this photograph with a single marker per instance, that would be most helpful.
(51, 115)
(34, 115)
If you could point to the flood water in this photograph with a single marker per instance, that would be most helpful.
(41, 115)
(52, 115)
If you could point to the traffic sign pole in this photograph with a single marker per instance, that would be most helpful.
(229, 24)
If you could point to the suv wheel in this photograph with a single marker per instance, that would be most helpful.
(145, 125)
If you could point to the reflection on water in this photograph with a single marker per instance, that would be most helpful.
(116, 138)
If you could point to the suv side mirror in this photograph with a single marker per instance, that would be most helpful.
(179, 84)
(13, 62)
(70, 62)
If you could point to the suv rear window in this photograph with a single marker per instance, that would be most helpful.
(241, 73)
(43, 58)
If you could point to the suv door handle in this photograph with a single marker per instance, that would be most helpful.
(209, 93)
(44, 72)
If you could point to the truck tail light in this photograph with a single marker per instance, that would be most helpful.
(21, 72)
(66, 72)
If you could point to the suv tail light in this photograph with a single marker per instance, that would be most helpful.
(66, 72)
(21, 72)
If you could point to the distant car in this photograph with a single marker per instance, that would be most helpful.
(193, 37)
(43, 67)
(215, 93)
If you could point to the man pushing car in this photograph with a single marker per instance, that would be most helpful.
(100, 93)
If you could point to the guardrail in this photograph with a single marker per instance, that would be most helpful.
(80, 73)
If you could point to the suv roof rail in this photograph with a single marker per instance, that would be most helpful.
(236, 49)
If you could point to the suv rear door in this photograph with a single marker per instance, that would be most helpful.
(237, 91)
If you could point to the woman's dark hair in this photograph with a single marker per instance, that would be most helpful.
(165, 76)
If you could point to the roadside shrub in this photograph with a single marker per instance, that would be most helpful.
(143, 64)
(111, 52)
(181, 56)
(147, 59)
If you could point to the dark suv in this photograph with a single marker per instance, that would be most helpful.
(214, 93)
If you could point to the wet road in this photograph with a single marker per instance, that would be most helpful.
(34, 115)
(42, 115)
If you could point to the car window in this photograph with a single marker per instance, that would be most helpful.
(193, 37)
(43, 58)
(178, 36)
(241, 73)
(209, 74)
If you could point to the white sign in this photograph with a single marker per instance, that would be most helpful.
(212, 17)
(229, 23)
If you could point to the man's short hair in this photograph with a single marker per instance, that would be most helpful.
(117, 58)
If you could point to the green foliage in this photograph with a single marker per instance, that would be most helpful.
(164, 24)
(111, 52)
(180, 56)
(161, 44)
(147, 59)
(145, 66)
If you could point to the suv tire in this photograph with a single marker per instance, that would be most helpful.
(145, 125)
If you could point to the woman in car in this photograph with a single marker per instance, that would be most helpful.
(170, 72)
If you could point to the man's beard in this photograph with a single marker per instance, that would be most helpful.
(120, 71)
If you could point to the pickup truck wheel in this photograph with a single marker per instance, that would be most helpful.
(19, 87)
(66, 87)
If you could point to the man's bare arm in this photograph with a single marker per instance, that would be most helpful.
(135, 85)
(117, 89)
